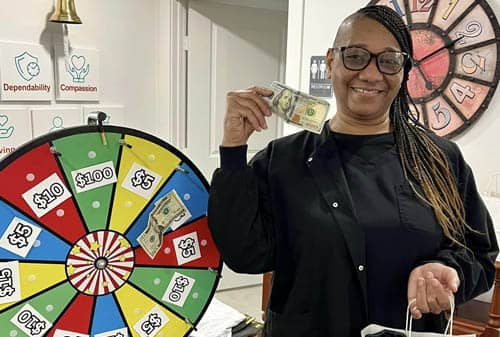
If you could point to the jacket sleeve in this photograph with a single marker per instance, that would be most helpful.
(239, 211)
(476, 263)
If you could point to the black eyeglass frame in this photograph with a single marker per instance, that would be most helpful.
(373, 55)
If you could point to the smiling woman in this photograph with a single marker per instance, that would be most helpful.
(372, 214)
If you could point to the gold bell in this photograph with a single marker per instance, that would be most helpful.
(65, 12)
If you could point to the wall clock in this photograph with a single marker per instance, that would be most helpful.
(456, 59)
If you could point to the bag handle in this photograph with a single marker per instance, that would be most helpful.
(448, 331)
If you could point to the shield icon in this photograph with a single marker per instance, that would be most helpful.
(27, 65)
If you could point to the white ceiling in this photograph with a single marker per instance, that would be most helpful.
(278, 5)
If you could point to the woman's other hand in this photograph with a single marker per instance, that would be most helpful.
(431, 286)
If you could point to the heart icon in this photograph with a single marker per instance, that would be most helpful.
(78, 61)
(3, 120)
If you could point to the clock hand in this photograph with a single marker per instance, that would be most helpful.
(428, 84)
(451, 43)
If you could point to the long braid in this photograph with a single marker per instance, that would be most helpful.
(423, 162)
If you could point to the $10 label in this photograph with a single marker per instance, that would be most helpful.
(94, 176)
(47, 195)
(31, 322)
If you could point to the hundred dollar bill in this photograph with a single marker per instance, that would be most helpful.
(297, 108)
(167, 213)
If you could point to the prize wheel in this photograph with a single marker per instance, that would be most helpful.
(103, 233)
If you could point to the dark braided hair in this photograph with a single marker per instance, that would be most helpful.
(422, 160)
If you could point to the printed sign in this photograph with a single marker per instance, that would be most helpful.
(141, 181)
(115, 333)
(26, 72)
(19, 237)
(77, 74)
(151, 323)
(319, 83)
(15, 129)
(10, 288)
(187, 248)
(47, 195)
(95, 176)
(31, 322)
(47, 120)
(178, 289)
(64, 333)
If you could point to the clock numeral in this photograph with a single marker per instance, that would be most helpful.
(451, 6)
(422, 5)
(460, 92)
(441, 112)
(472, 29)
(397, 8)
(470, 65)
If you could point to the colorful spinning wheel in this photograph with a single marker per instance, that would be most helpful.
(103, 235)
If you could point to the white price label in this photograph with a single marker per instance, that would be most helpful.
(64, 333)
(187, 248)
(142, 181)
(151, 323)
(19, 237)
(31, 322)
(95, 176)
(115, 333)
(10, 288)
(178, 289)
(47, 195)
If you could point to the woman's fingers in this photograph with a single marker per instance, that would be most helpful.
(246, 112)
(421, 302)
(249, 116)
(257, 94)
(431, 297)
(434, 290)
(254, 109)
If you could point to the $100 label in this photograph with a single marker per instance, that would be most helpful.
(94, 176)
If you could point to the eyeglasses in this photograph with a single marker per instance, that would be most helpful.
(357, 58)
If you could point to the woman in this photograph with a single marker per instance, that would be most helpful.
(357, 222)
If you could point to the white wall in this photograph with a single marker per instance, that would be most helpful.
(128, 36)
(312, 26)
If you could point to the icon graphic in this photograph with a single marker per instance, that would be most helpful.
(27, 65)
(57, 123)
(78, 68)
(7, 131)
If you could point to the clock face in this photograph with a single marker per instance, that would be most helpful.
(456, 59)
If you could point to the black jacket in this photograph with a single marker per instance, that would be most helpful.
(290, 211)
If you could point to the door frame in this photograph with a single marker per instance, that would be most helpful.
(172, 68)
(173, 50)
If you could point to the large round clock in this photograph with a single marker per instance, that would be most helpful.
(456, 59)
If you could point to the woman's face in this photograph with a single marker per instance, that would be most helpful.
(365, 94)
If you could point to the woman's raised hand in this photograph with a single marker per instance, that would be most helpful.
(245, 112)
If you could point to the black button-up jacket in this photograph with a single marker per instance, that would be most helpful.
(290, 211)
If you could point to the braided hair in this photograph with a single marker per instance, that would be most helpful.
(423, 162)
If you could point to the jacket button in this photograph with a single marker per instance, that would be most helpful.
(335, 204)
(361, 267)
